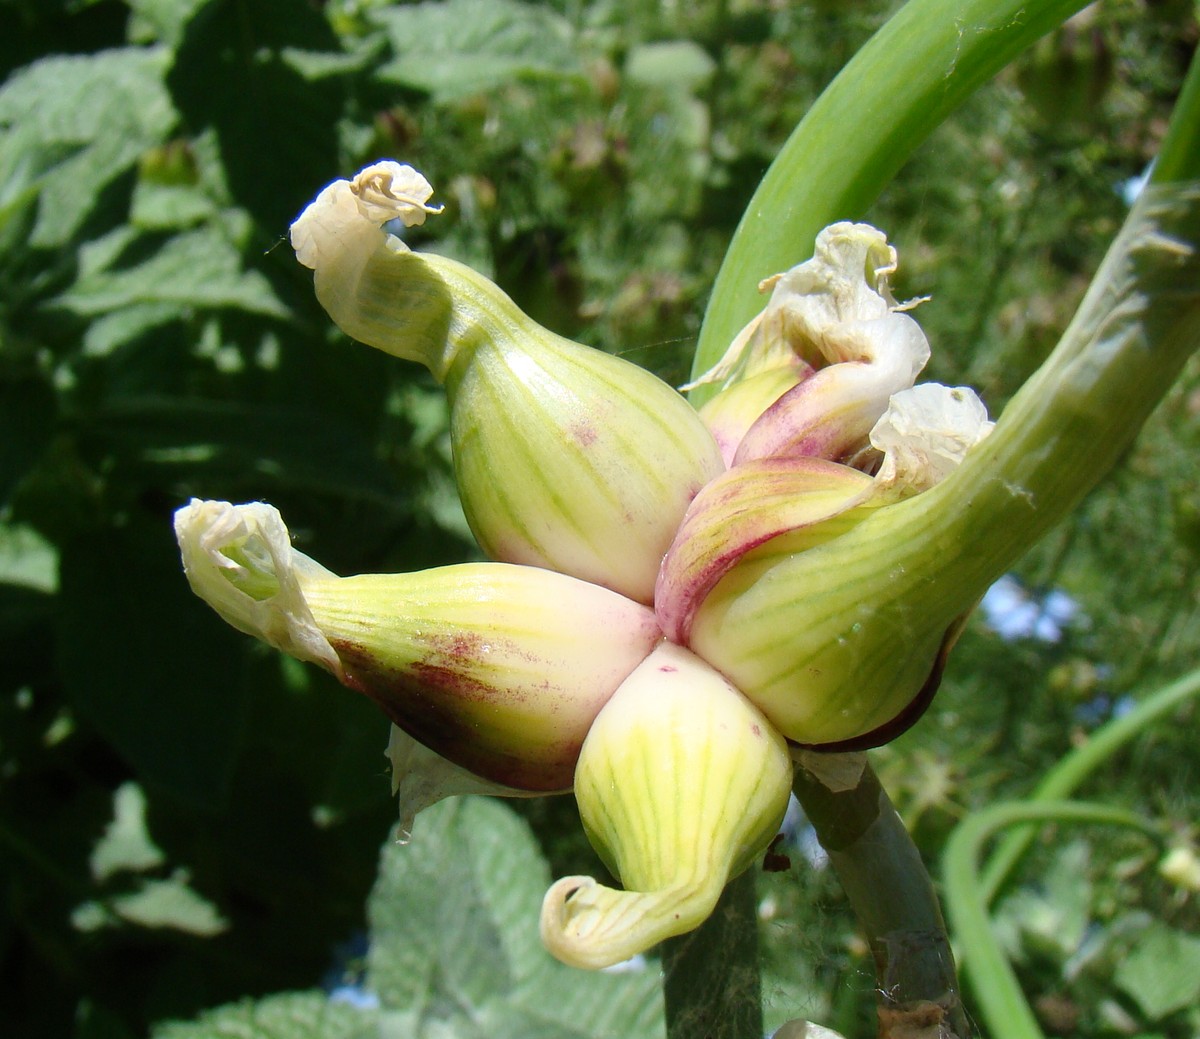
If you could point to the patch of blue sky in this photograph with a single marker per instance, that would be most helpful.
(1013, 612)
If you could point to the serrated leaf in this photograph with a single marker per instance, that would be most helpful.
(459, 47)
(1161, 973)
(198, 269)
(294, 1015)
(170, 206)
(82, 121)
(454, 932)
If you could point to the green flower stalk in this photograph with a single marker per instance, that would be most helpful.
(681, 784)
(498, 668)
(599, 459)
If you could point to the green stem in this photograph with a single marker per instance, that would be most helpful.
(928, 59)
(889, 889)
(1075, 767)
(711, 982)
(1179, 156)
(993, 980)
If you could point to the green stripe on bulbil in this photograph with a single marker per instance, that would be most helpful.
(642, 843)
(596, 487)
(614, 375)
(523, 462)
(501, 498)
(527, 463)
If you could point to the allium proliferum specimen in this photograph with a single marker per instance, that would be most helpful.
(637, 638)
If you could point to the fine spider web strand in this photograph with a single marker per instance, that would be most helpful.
(711, 981)
(892, 895)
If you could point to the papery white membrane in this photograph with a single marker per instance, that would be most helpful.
(349, 210)
(239, 559)
(422, 777)
(924, 435)
(846, 281)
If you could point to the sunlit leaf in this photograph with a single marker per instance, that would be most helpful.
(200, 269)
(86, 120)
(452, 48)
(297, 1015)
(126, 843)
(1161, 973)
(170, 903)
(27, 559)
(476, 958)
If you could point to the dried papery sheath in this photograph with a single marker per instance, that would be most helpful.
(924, 436)
(421, 778)
(836, 316)
(239, 559)
(830, 414)
(847, 280)
(681, 783)
(330, 227)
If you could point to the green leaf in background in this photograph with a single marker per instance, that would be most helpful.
(27, 559)
(277, 131)
(1053, 919)
(199, 269)
(680, 64)
(455, 48)
(296, 1015)
(126, 844)
(155, 21)
(1161, 973)
(171, 903)
(473, 965)
(86, 120)
(156, 675)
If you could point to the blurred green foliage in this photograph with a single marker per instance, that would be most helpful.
(187, 819)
